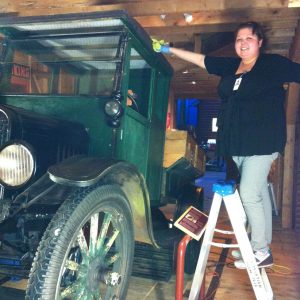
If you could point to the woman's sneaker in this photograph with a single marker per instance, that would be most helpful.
(263, 260)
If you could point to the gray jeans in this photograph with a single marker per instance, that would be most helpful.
(255, 196)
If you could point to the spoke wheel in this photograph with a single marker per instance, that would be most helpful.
(86, 252)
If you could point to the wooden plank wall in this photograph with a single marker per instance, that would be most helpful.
(296, 192)
(291, 116)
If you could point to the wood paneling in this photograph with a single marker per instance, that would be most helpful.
(296, 181)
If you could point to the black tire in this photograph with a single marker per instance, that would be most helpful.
(191, 256)
(68, 266)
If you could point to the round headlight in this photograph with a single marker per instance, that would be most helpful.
(16, 165)
(113, 108)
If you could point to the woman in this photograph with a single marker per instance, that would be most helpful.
(251, 122)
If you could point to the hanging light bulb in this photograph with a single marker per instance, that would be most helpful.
(188, 17)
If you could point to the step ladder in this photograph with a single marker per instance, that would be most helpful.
(226, 191)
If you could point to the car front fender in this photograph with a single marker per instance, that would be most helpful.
(84, 171)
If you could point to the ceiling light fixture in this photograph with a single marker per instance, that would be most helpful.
(188, 17)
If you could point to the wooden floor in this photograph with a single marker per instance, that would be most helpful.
(223, 281)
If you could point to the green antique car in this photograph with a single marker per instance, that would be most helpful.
(83, 101)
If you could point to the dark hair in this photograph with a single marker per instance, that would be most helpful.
(256, 28)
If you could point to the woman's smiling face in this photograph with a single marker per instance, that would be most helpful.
(247, 44)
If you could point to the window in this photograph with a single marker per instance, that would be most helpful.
(139, 83)
(72, 65)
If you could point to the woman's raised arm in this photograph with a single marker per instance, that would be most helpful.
(195, 58)
(192, 57)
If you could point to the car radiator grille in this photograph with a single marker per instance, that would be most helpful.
(4, 127)
(65, 151)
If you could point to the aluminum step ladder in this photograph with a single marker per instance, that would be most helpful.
(226, 191)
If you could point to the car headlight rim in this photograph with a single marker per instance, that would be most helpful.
(17, 164)
(113, 109)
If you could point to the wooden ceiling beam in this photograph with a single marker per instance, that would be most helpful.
(274, 23)
(196, 95)
(173, 30)
(136, 8)
(177, 38)
(220, 16)
(190, 76)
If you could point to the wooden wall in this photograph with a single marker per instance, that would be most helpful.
(296, 192)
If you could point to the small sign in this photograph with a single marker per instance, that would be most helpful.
(21, 71)
(192, 222)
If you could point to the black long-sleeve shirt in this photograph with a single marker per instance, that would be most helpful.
(251, 120)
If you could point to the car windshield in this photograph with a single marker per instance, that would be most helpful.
(69, 62)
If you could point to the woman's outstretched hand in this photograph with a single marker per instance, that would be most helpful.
(160, 46)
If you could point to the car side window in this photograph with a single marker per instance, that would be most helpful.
(139, 84)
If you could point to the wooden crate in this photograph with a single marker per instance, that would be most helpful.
(180, 144)
(175, 146)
